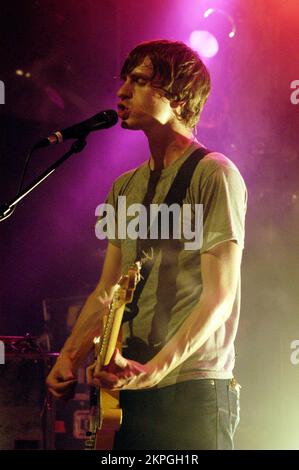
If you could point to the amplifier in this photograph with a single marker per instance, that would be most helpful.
(25, 423)
(72, 417)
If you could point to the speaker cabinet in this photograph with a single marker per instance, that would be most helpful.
(22, 398)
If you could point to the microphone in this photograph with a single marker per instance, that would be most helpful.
(102, 120)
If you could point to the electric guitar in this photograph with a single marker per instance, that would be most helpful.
(105, 413)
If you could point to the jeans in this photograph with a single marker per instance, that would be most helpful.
(198, 414)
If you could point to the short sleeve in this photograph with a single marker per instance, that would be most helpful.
(106, 223)
(114, 207)
(224, 199)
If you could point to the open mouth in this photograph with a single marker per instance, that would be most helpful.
(123, 112)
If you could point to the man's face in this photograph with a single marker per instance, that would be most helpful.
(142, 106)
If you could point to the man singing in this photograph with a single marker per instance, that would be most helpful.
(175, 374)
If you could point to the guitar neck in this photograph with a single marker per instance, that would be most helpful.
(112, 322)
(111, 331)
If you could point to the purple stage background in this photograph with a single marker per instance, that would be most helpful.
(73, 51)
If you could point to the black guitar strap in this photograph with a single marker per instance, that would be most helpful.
(175, 195)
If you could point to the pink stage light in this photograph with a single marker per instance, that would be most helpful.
(229, 18)
(204, 43)
(208, 12)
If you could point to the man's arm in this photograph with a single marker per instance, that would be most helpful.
(87, 326)
(220, 267)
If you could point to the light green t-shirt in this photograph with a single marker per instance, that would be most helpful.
(176, 288)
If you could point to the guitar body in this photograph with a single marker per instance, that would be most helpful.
(111, 418)
(106, 414)
(110, 415)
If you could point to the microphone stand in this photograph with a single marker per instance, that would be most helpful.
(8, 208)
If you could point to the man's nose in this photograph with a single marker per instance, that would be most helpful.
(125, 91)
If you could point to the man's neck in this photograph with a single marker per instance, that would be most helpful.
(167, 146)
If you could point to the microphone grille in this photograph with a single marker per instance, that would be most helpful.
(110, 118)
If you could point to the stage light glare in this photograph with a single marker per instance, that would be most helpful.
(19, 72)
(226, 15)
(204, 43)
(208, 12)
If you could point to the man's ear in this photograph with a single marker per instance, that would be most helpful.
(176, 104)
(176, 108)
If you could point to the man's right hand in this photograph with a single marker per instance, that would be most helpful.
(62, 380)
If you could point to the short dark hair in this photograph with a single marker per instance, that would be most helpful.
(178, 71)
